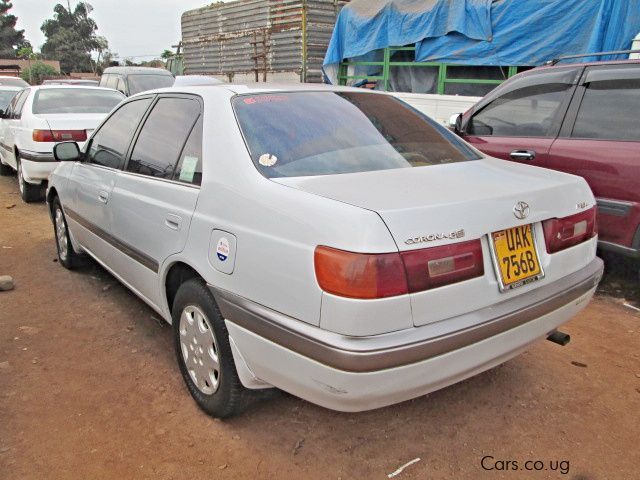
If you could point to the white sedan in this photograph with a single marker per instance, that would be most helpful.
(331, 242)
(37, 118)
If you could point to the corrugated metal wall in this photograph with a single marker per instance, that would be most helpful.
(238, 39)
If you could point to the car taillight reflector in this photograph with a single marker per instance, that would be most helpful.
(359, 275)
(59, 135)
(562, 233)
(438, 266)
(367, 276)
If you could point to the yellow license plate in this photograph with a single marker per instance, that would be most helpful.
(516, 257)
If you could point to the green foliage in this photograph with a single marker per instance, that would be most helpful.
(71, 37)
(10, 38)
(167, 54)
(38, 72)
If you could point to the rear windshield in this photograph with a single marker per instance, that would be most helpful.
(13, 82)
(6, 96)
(75, 100)
(325, 133)
(142, 83)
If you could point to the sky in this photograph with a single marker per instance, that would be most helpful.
(146, 28)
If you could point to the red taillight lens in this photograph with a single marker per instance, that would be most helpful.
(358, 275)
(59, 135)
(562, 233)
(434, 267)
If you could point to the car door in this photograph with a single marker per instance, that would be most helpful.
(12, 126)
(600, 141)
(155, 195)
(520, 119)
(92, 180)
(7, 150)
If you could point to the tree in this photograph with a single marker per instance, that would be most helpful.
(71, 37)
(10, 38)
(38, 72)
(166, 55)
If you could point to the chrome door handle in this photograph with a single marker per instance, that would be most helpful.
(523, 155)
(103, 196)
(174, 222)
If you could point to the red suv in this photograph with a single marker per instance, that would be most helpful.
(582, 119)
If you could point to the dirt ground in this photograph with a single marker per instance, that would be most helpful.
(89, 388)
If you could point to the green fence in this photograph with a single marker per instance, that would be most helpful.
(448, 74)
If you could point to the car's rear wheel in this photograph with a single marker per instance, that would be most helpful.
(28, 192)
(67, 256)
(204, 353)
(5, 170)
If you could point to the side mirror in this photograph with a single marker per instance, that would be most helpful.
(66, 152)
(455, 122)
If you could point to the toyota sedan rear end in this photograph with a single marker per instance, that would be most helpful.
(331, 242)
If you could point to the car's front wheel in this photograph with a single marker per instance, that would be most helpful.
(28, 192)
(67, 256)
(204, 353)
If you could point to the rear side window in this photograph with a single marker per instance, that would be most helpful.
(610, 110)
(163, 137)
(110, 144)
(75, 100)
(325, 133)
(527, 112)
(189, 169)
(19, 105)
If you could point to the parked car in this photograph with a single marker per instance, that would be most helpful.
(328, 241)
(37, 118)
(581, 119)
(132, 80)
(6, 81)
(71, 81)
(195, 80)
(6, 95)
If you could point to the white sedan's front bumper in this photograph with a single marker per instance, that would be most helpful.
(355, 374)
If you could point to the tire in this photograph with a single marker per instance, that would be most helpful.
(198, 327)
(5, 170)
(67, 256)
(29, 193)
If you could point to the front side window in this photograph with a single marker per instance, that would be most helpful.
(610, 110)
(163, 137)
(110, 144)
(527, 112)
(142, 83)
(324, 133)
(75, 100)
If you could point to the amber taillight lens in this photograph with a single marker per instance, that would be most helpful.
(367, 276)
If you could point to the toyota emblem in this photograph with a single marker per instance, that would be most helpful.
(521, 210)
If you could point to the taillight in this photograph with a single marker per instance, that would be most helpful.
(366, 276)
(562, 233)
(359, 275)
(437, 266)
(59, 135)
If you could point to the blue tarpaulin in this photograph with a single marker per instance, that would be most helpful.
(483, 32)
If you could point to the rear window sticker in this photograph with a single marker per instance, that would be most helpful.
(188, 170)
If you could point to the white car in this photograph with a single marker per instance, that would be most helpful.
(331, 242)
(7, 93)
(37, 118)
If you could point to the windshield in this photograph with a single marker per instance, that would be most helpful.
(6, 96)
(142, 83)
(324, 133)
(75, 100)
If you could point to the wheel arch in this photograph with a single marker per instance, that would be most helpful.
(176, 274)
(51, 194)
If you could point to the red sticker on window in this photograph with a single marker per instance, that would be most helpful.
(266, 99)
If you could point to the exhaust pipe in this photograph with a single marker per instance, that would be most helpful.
(560, 338)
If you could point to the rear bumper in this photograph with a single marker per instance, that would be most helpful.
(36, 167)
(360, 373)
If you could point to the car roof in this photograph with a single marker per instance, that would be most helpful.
(70, 87)
(631, 61)
(138, 70)
(258, 88)
(11, 88)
